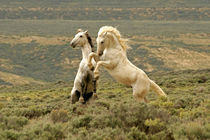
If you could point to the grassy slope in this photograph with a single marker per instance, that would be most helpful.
(16, 80)
(45, 112)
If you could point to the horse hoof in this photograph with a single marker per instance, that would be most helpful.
(72, 101)
(96, 75)
(95, 96)
(81, 100)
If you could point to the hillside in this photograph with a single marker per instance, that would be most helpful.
(107, 3)
(45, 112)
(106, 10)
(44, 54)
(16, 80)
(164, 35)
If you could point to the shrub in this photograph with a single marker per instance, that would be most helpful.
(82, 121)
(135, 134)
(32, 112)
(182, 102)
(15, 122)
(107, 133)
(202, 79)
(44, 131)
(53, 132)
(104, 104)
(59, 116)
(194, 130)
(9, 134)
(105, 120)
(1, 106)
(155, 125)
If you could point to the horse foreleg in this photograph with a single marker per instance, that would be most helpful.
(106, 64)
(92, 55)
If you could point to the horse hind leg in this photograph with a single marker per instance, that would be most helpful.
(84, 86)
(141, 95)
(87, 96)
(146, 100)
(75, 96)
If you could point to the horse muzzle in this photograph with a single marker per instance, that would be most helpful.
(100, 53)
(73, 45)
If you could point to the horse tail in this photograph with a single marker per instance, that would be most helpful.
(157, 89)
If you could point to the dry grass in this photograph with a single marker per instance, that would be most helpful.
(17, 80)
(56, 40)
(149, 52)
(6, 64)
(182, 58)
(176, 52)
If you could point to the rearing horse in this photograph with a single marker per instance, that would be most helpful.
(84, 83)
(111, 54)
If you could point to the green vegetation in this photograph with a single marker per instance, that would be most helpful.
(108, 3)
(45, 112)
(106, 10)
(69, 27)
(106, 13)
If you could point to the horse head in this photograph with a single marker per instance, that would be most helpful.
(80, 39)
(101, 43)
(110, 37)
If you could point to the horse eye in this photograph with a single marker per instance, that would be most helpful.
(102, 42)
(80, 36)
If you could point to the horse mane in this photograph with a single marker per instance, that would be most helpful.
(88, 38)
(90, 41)
(122, 41)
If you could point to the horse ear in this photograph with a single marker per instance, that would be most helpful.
(86, 32)
(105, 33)
(79, 30)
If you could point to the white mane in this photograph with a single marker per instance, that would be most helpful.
(122, 41)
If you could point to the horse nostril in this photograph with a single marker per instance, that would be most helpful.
(72, 44)
(101, 53)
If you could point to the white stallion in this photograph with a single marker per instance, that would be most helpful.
(111, 54)
(84, 83)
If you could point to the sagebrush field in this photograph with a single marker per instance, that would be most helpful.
(44, 112)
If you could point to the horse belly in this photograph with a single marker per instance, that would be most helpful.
(123, 77)
(124, 80)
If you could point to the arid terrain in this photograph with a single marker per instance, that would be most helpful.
(169, 40)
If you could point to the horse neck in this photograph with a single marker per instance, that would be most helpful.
(116, 44)
(86, 50)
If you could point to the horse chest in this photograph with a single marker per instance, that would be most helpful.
(109, 55)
